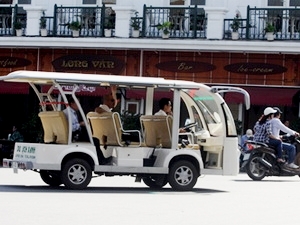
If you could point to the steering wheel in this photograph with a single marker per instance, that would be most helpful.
(187, 127)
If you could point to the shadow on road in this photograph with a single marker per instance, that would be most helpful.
(100, 190)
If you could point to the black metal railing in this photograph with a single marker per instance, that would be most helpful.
(187, 22)
(93, 20)
(9, 15)
(285, 21)
(49, 24)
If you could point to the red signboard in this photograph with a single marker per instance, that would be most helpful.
(185, 66)
(13, 62)
(104, 63)
(255, 68)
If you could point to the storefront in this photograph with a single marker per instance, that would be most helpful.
(270, 79)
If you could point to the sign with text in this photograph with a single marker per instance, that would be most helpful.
(104, 63)
(185, 66)
(255, 68)
(12, 62)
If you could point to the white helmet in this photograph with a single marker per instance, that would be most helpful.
(269, 110)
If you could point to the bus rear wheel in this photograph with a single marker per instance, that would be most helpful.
(52, 178)
(155, 181)
(76, 174)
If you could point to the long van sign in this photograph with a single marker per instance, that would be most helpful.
(255, 68)
(105, 63)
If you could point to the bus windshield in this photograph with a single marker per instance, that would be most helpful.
(209, 110)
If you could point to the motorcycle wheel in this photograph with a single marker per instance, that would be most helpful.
(254, 169)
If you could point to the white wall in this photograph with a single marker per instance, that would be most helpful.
(231, 5)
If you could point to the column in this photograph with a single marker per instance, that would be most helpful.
(34, 14)
(123, 17)
(215, 22)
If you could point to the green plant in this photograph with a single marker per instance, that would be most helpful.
(135, 22)
(108, 24)
(33, 129)
(75, 25)
(17, 25)
(43, 22)
(165, 27)
(269, 28)
(236, 23)
(130, 121)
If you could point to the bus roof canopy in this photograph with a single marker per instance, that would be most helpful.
(40, 77)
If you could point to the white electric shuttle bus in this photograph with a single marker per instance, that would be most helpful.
(159, 155)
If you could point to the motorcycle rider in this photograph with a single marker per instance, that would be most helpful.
(263, 132)
(278, 126)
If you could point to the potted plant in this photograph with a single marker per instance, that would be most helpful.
(165, 27)
(108, 25)
(135, 24)
(235, 25)
(270, 31)
(75, 26)
(18, 28)
(43, 25)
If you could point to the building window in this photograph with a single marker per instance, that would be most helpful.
(89, 2)
(6, 2)
(275, 3)
(197, 2)
(109, 2)
(24, 2)
(177, 2)
(132, 107)
(294, 3)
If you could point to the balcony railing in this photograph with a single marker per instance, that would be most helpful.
(8, 15)
(286, 22)
(93, 20)
(187, 22)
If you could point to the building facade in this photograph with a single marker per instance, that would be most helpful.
(200, 47)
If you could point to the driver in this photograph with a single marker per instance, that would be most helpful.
(165, 109)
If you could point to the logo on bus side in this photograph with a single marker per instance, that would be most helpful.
(25, 152)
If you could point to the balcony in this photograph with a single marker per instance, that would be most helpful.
(187, 22)
(286, 22)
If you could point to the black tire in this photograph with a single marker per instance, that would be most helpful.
(183, 176)
(52, 178)
(155, 181)
(254, 169)
(76, 174)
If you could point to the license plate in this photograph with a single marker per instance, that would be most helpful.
(15, 167)
(246, 157)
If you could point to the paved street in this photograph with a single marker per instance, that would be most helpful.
(25, 199)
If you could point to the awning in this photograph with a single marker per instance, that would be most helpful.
(14, 88)
(265, 96)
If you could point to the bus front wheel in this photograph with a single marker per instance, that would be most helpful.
(183, 175)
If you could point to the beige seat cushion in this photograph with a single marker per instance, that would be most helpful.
(55, 127)
(157, 130)
(107, 127)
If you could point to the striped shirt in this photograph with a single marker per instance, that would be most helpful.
(262, 131)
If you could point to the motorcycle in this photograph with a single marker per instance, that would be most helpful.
(262, 162)
(245, 154)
